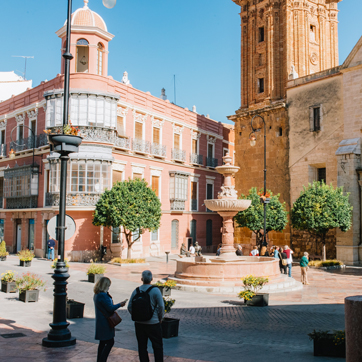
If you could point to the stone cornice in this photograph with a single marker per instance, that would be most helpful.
(252, 112)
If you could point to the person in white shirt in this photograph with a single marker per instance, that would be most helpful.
(255, 251)
(192, 250)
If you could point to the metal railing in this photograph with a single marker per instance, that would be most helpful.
(73, 199)
(211, 162)
(141, 146)
(28, 143)
(196, 159)
(23, 202)
(178, 155)
(177, 205)
(124, 143)
(193, 204)
(158, 150)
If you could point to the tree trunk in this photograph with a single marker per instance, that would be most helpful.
(129, 250)
(324, 247)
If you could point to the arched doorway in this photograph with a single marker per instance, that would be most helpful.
(174, 233)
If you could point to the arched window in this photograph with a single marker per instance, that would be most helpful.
(82, 60)
(100, 50)
(174, 233)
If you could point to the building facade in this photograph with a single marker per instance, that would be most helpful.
(127, 134)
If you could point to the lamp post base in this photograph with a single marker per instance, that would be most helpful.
(56, 344)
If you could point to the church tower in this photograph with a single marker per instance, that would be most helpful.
(88, 42)
(280, 40)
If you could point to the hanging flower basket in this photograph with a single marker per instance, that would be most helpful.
(64, 142)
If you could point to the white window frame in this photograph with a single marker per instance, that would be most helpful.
(158, 236)
(157, 123)
(138, 168)
(119, 166)
(140, 118)
(157, 171)
(122, 112)
(177, 130)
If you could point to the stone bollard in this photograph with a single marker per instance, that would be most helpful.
(353, 321)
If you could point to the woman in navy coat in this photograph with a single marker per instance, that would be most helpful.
(104, 308)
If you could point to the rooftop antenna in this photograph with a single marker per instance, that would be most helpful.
(25, 57)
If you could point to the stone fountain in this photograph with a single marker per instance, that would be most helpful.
(227, 206)
(223, 274)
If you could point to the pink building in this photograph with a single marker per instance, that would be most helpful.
(127, 133)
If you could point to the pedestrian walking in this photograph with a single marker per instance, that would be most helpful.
(51, 246)
(276, 252)
(218, 250)
(104, 309)
(147, 309)
(282, 261)
(289, 253)
(304, 267)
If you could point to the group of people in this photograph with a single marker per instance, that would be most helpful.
(147, 309)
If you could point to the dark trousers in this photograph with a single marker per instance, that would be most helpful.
(283, 269)
(154, 333)
(104, 349)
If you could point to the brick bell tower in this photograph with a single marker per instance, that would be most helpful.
(280, 40)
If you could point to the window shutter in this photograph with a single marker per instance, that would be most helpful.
(194, 190)
(176, 144)
(156, 135)
(194, 146)
(120, 126)
(137, 175)
(117, 176)
(155, 185)
(138, 130)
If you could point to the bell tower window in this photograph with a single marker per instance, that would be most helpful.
(82, 56)
(100, 50)
(261, 34)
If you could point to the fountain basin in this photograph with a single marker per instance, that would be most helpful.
(227, 205)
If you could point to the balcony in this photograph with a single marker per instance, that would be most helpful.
(211, 162)
(193, 204)
(28, 143)
(92, 133)
(196, 159)
(123, 143)
(177, 205)
(158, 150)
(178, 155)
(22, 202)
(140, 146)
(73, 199)
(2, 150)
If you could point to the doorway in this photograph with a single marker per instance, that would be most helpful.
(174, 233)
(18, 236)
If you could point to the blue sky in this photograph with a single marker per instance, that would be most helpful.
(196, 40)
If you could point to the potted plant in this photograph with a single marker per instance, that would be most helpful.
(165, 288)
(3, 252)
(95, 272)
(8, 284)
(54, 264)
(169, 325)
(67, 141)
(25, 257)
(328, 344)
(74, 309)
(29, 286)
(250, 293)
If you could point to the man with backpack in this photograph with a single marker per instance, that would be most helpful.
(147, 309)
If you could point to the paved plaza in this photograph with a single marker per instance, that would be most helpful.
(213, 327)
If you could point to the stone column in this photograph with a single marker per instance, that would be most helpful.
(353, 322)
(227, 249)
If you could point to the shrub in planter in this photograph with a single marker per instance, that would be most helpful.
(328, 344)
(74, 309)
(95, 272)
(166, 287)
(169, 325)
(3, 252)
(25, 257)
(8, 284)
(252, 285)
(324, 263)
(29, 286)
(127, 261)
(54, 264)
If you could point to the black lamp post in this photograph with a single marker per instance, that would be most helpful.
(59, 335)
(263, 199)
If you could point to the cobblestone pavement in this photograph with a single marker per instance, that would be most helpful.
(216, 328)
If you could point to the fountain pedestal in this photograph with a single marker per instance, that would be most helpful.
(227, 249)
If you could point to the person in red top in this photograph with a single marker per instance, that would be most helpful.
(289, 253)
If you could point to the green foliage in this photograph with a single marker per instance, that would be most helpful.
(127, 261)
(130, 204)
(320, 208)
(26, 255)
(168, 284)
(253, 217)
(168, 304)
(316, 335)
(3, 251)
(96, 269)
(29, 281)
(54, 264)
(321, 263)
(338, 336)
(8, 277)
(251, 286)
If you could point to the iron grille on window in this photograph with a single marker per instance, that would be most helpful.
(316, 119)
(322, 174)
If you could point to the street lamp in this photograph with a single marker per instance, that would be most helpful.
(59, 335)
(252, 138)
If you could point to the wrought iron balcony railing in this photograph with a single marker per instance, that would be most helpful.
(158, 150)
(2, 150)
(28, 143)
(211, 162)
(140, 146)
(177, 205)
(73, 199)
(196, 159)
(193, 204)
(123, 143)
(22, 202)
(178, 155)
